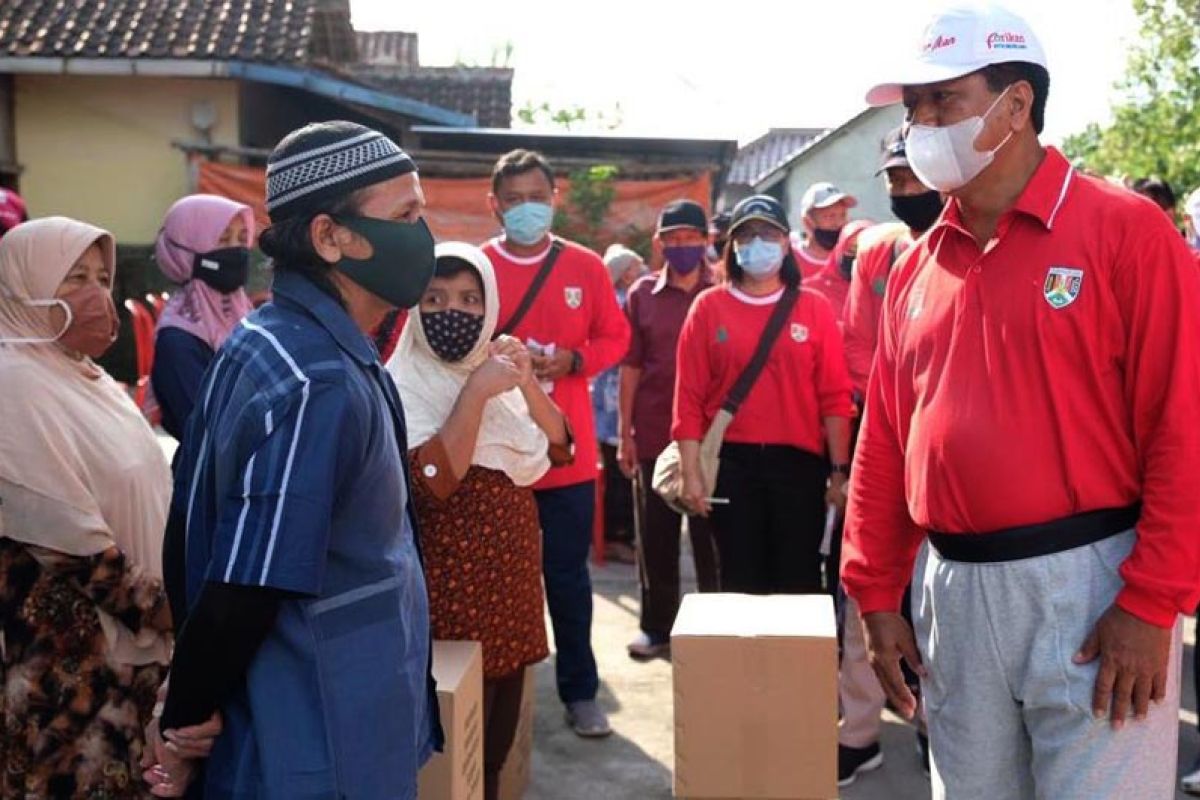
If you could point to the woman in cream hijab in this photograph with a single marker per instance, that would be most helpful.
(481, 431)
(84, 489)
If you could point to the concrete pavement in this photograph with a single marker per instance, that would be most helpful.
(636, 762)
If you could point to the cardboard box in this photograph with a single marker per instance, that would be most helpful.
(755, 697)
(457, 773)
(515, 774)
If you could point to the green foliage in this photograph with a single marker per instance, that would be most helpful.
(1156, 122)
(582, 213)
(569, 117)
(501, 56)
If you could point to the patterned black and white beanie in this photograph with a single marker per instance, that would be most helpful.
(326, 160)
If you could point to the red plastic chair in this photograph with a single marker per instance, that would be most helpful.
(598, 555)
(143, 339)
(157, 302)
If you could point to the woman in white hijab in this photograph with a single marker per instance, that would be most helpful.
(84, 489)
(481, 431)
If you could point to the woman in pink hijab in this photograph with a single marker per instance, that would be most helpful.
(204, 245)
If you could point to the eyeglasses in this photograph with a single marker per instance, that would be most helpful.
(760, 228)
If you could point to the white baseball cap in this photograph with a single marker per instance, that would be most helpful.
(959, 40)
(824, 195)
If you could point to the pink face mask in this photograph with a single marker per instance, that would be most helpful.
(91, 320)
(93, 323)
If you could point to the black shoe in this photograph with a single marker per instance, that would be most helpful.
(852, 761)
(923, 752)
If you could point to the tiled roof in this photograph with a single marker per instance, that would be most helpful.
(388, 48)
(485, 92)
(275, 31)
(769, 152)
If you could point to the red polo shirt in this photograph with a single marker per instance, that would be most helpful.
(576, 309)
(803, 381)
(877, 251)
(656, 312)
(1052, 372)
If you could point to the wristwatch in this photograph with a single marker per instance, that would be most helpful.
(576, 362)
(840, 469)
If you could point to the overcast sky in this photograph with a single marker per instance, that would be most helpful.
(678, 69)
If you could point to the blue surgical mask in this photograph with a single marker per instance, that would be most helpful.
(759, 257)
(528, 223)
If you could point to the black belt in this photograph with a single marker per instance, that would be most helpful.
(1031, 541)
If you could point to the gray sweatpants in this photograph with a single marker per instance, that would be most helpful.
(1009, 713)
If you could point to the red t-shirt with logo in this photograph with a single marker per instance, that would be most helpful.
(1052, 372)
(804, 380)
(576, 309)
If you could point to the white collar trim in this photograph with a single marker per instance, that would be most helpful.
(814, 261)
(498, 243)
(749, 299)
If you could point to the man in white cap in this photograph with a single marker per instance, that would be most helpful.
(1030, 428)
(824, 211)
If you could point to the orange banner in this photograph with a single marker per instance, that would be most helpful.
(458, 207)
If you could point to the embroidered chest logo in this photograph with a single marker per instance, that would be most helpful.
(1062, 286)
(574, 296)
(879, 286)
(722, 335)
(799, 332)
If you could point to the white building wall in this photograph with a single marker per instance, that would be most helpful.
(848, 159)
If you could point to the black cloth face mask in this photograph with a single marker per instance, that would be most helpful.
(918, 211)
(226, 269)
(452, 334)
(827, 238)
(401, 263)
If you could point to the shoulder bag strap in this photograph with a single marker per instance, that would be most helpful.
(532, 292)
(779, 315)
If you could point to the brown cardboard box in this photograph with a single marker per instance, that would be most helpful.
(514, 775)
(755, 697)
(457, 773)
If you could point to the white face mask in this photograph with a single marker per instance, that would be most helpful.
(945, 158)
